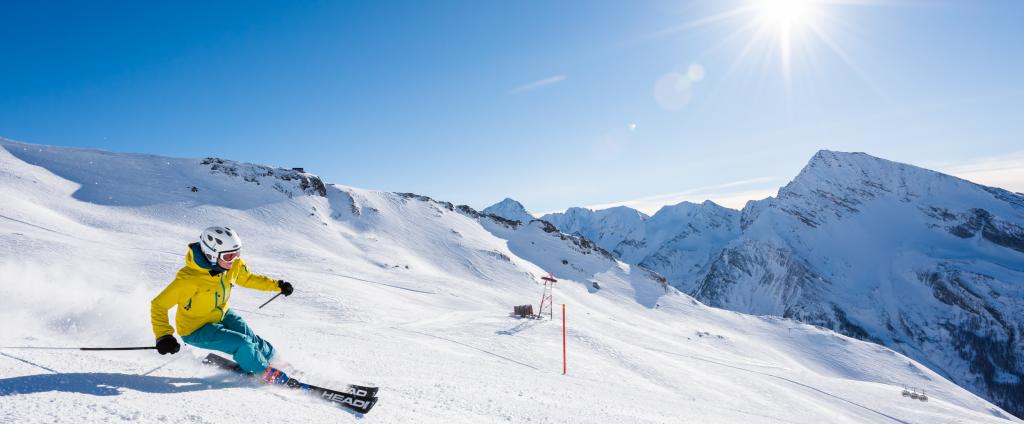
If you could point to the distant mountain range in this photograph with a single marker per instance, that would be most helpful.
(926, 263)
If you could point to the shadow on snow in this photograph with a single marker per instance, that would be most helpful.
(106, 384)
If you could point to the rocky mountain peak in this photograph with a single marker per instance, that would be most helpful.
(510, 209)
(835, 185)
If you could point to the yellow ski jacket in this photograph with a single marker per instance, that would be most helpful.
(201, 291)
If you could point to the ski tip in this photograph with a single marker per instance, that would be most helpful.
(369, 406)
(361, 406)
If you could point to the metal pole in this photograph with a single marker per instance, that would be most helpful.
(271, 300)
(79, 348)
(564, 355)
(553, 301)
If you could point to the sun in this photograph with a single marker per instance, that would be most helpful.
(785, 14)
(790, 34)
(786, 19)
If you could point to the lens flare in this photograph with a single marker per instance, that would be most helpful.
(695, 72)
(673, 91)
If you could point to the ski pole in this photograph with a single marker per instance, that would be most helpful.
(79, 348)
(271, 300)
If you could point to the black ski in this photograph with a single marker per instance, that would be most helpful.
(356, 398)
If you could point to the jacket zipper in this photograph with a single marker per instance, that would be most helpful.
(216, 296)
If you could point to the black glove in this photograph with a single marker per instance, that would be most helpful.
(167, 344)
(286, 287)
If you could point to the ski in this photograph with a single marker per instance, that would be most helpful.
(353, 397)
(355, 403)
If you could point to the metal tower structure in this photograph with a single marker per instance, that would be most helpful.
(545, 300)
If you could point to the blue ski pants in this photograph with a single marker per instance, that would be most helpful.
(232, 335)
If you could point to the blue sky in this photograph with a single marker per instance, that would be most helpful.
(556, 104)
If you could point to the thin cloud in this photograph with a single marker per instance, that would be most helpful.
(1003, 171)
(554, 79)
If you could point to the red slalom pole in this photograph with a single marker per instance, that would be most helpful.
(564, 362)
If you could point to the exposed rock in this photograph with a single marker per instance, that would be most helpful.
(280, 178)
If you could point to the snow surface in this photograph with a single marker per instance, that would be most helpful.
(393, 290)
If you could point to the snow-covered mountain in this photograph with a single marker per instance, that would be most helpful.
(678, 242)
(397, 290)
(925, 263)
(510, 210)
(611, 229)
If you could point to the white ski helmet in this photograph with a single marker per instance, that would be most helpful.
(218, 240)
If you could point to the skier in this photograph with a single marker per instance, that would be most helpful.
(201, 290)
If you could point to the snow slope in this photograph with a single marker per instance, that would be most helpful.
(396, 290)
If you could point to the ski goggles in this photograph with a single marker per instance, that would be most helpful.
(230, 256)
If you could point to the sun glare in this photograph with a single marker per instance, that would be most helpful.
(785, 13)
(789, 34)
(785, 18)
